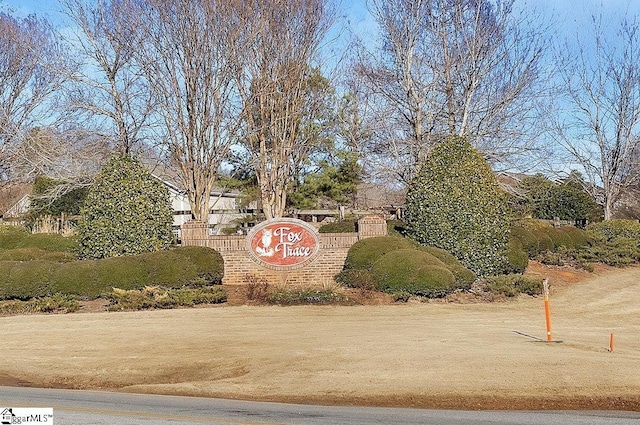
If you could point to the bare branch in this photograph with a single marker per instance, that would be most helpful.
(602, 99)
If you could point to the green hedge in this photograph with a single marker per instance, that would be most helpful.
(357, 278)
(538, 237)
(30, 254)
(344, 226)
(18, 238)
(92, 278)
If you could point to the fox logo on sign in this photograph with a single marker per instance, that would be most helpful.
(283, 243)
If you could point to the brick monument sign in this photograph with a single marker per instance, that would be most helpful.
(283, 251)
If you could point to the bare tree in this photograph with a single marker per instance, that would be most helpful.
(30, 59)
(186, 51)
(109, 86)
(600, 123)
(282, 39)
(465, 67)
(72, 157)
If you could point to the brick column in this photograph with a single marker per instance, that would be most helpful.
(370, 226)
(194, 233)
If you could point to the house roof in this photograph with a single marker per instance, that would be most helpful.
(11, 194)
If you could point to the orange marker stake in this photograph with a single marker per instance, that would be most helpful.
(611, 340)
(547, 311)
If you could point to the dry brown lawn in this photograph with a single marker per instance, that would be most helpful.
(442, 355)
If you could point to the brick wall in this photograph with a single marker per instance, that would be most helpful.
(239, 264)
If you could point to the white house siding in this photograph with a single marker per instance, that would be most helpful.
(19, 209)
(223, 210)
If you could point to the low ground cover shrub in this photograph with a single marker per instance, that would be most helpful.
(54, 304)
(618, 252)
(612, 229)
(306, 296)
(613, 242)
(156, 297)
(545, 243)
(514, 284)
(357, 278)
(174, 268)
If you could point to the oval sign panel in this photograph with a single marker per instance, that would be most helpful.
(283, 243)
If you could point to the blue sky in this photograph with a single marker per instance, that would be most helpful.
(570, 15)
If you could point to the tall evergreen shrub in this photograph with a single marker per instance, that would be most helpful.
(454, 203)
(127, 211)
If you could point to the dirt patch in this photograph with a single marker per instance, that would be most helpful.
(438, 355)
(565, 275)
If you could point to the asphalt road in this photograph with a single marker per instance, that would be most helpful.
(72, 407)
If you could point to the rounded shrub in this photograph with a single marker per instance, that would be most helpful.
(559, 238)
(367, 251)
(540, 230)
(527, 239)
(127, 211)
(26, 280)
(579, 237)
(517, 257)
(545, 243)
(568, 236)
(414, 272)
(455, 203)
(514, 284)
(464, 276)
(357, 278)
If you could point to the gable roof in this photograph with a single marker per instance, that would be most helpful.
(11, 194)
